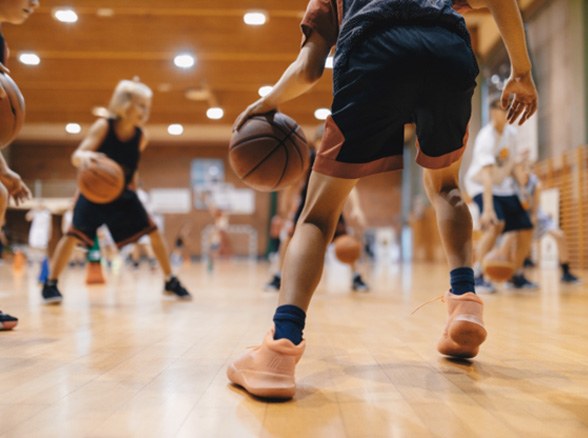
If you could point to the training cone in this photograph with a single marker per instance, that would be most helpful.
(94, 273)
(19, 261)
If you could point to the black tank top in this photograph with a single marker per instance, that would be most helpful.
(125, 153)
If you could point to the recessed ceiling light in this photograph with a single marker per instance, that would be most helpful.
(29, 58)
(255, 18)
(329, 62)
(322, 113)
(65, 15)
(175, 129)
(215, 113)
(73, 128)
(105, 12)
(184, 60)
(265, 90)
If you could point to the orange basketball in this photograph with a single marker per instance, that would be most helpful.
(269, 152)
(12, 110)
(497, 267)
(347, 249)
(102, 181)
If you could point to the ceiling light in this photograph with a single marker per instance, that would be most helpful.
(322, 113)
(29, 58)
(265, 90)
(184, 60)
(329, 62)
(255, 18)
(65, 15)
(73, 128)
(175, 129)
(215, 113)
(105, 12)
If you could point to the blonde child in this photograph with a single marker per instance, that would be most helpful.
(121, 138)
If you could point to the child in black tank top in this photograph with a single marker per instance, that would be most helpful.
(120, 138)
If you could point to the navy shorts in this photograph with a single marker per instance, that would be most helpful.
(421, 75)
(126, 219)
(508, 210)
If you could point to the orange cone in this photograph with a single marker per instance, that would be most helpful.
(94, 273)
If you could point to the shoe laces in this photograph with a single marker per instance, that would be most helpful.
(439, 298)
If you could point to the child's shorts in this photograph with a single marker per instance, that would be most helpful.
(126, 218)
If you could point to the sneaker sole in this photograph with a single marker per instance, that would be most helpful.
(466, 339)
(171, 294)
(8, 325)
(282, 390)
(52, 301)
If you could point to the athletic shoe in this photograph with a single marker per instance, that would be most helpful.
(483, 286)
(268, 370)
(174, 287)
(7, 322)
(570, 278)
(529, 263)
(465, 327)
(51, 294)
(359, 285)
(274, 284)
(520, 282)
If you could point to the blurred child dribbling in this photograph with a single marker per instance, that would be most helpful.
(120, 137)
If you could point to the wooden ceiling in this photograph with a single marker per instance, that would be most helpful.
(82, 62)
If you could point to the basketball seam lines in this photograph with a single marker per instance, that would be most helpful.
(284, 169)
(281, 143)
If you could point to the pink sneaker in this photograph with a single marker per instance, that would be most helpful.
(465, 328)
(268, 370)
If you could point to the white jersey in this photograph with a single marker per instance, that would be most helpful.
(40, 231)
(492, 148)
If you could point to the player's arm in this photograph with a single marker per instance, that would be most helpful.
(519, 94)
(86, 151)
(296, 80)
(488, 216)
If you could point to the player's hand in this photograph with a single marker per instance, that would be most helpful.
(519, 98)
(488, 219)
(17, 189)
(87, 158)
(258, 107)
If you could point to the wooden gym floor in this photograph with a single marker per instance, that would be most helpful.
(119, 360)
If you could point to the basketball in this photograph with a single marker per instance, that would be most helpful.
(497, 267)
(12, 110)
(269, 152)
(102, 181)
(347, 249)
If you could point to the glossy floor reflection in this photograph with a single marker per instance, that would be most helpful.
(121, 360)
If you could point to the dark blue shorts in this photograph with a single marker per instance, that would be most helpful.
(421, 75)
(508, 210)
(126, 219)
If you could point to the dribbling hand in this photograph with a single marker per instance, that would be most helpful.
(17, 189)
(258, 107)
